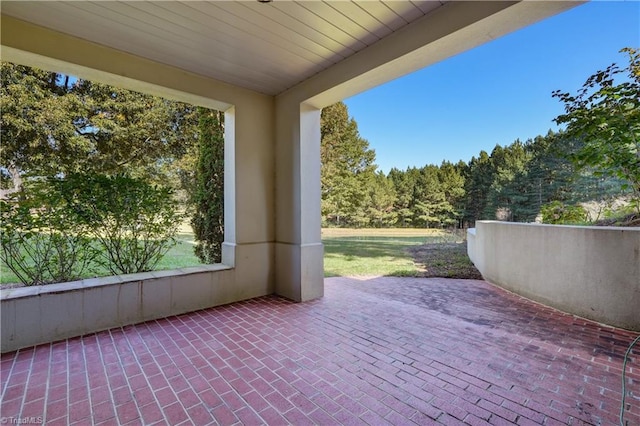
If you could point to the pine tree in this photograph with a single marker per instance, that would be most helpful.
(54, 125)
(347, 168)
(478, 179)
(380, 210)
(403, 187)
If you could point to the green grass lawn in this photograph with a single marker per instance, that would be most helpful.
(348, 252)
(181, 255)
(367, 252)
(352, 257)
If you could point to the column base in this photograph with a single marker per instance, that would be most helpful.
(300, 271)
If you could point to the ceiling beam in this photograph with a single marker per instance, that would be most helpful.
(28, 44)
(449, 30)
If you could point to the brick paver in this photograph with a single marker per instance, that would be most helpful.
(372, 351)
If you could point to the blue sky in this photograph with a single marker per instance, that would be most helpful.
(495, 93)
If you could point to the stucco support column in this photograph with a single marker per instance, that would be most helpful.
(248, 194)
(299, 252)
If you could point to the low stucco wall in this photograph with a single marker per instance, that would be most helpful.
(471, 244)
(592, 272)
(40, 314)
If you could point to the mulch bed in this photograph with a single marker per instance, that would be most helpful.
(446, 260)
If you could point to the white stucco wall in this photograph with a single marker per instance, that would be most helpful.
(471, 244)
(592, 272)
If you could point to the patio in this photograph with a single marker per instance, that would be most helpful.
(372, 351)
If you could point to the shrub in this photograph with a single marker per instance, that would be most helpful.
(559, 213)
(134, 222)
(57, 229)
(43, 241)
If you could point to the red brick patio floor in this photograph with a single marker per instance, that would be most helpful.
(378, 351)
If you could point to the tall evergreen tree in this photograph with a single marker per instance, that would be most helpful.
(347, 167)
(551, 176)
(38, 134)
(403, 186)
(208, 197)
(505, 196)
(431, 207)
(478, 180)
(452, 182)
(52, 124)
(380, 205)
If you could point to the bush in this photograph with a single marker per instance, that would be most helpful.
(558, 213)
(42, 240)
(134, 222)
(58, 229)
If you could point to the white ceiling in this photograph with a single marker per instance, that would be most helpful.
(266, 47)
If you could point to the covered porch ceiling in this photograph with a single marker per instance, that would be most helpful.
(273, 47)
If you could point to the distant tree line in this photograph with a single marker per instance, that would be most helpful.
(597, 157)
(511, 183)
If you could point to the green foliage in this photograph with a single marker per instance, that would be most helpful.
(53, 125)
(404, 197)
(429, 196)
(347, 170)
(380, 211)
(606, 117)
(179, 256)
(508, 190)
(515, 181)
(435, 192)
(559, 213)
(134, 222)
(123, 143)
(208, 195)
(478, 177)
(43, 240)
(512, 183)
